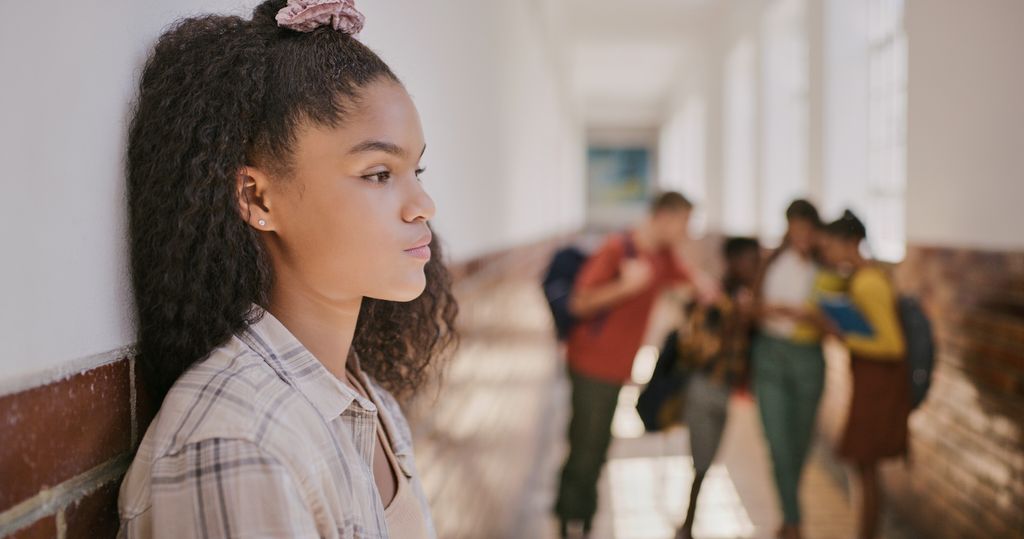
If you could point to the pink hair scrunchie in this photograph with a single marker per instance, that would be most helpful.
(308, 15)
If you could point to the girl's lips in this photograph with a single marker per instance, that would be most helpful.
(423, 253)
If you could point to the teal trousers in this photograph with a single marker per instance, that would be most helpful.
(788, 381)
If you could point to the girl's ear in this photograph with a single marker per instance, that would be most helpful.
(252, 189)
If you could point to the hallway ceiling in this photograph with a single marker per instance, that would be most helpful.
(624, 58)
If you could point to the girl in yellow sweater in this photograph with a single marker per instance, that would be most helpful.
(876, 427)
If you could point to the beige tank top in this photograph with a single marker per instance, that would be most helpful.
(403, 515)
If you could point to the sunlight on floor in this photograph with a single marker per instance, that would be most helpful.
(626, 423)
(644, 363)
(649, 497)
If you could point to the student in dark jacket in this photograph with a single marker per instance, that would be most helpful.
(714, 343)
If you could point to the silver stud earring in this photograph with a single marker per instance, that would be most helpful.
(262, 222)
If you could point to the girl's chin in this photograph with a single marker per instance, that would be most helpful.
(404, 292)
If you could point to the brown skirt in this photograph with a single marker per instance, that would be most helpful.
(876, 427)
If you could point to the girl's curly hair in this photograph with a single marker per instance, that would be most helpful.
(218, 93)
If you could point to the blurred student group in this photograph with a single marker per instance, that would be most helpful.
(726, 268)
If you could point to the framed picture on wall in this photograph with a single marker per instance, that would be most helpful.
(618, 176)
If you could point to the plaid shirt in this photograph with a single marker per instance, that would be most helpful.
(260, 440)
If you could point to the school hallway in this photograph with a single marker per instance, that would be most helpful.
(491, 444)
(547, 124)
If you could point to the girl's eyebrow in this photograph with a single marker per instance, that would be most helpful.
(381, 146)
(378, 146)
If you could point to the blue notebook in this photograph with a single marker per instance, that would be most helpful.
(849, 319)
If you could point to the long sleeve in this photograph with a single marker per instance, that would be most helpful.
(872, 294)
(223, 488)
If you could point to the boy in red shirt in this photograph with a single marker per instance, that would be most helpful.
(613, 297)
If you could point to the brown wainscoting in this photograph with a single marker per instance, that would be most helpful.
(523, 259)
(65, 447)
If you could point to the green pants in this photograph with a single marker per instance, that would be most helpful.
(788, 380)
(590, 433)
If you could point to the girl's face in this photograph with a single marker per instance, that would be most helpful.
(745, 266)
(802, 235)
(837, 251)
(351, 221)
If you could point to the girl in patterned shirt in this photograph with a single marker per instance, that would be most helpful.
(286, 280)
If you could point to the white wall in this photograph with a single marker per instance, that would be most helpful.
(504, 155)
(541, 175)
(490, 98)
(63, 101)
(965, 152)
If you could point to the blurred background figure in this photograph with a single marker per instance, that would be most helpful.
(553, 123)
(715, 344)
(789, 365)
(876, 424)
(612, 299)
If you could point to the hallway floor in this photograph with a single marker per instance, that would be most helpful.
(490, 444)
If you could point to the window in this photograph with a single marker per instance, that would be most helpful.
(785, 118)
(887, 137)
(739, 189)
(681, 158)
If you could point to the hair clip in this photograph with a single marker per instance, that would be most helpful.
(308, 15)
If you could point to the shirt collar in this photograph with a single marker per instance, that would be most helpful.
(269, 338)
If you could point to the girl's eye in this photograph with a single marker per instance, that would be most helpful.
(420, 171)
(378, 177)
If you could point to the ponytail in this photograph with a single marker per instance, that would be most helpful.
(219, 93)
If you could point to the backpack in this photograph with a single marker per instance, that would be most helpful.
(558, 283)
(660, 404)
(685, 351)
(559, 280)
(917, 330)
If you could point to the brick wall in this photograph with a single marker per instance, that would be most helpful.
(966, 474)
(65, 446)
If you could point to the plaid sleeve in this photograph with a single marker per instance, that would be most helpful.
(226, 488)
